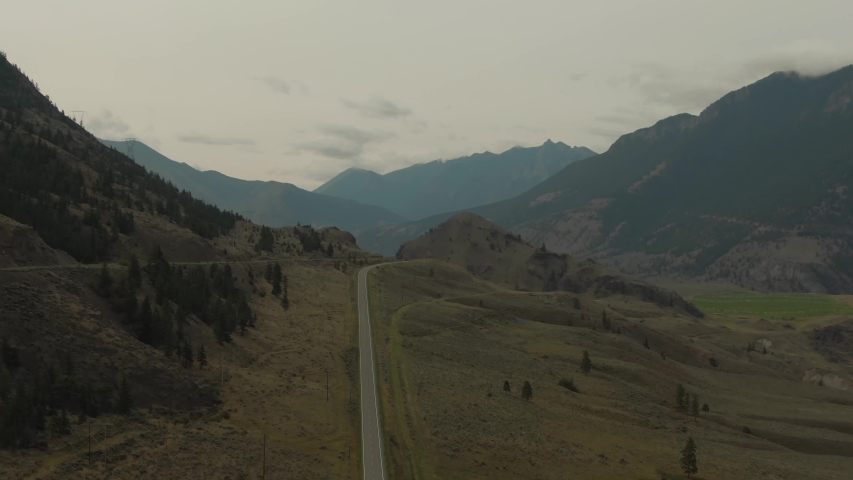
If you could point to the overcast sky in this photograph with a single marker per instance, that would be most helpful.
(297, 91)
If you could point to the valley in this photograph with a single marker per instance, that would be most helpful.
(448, 342)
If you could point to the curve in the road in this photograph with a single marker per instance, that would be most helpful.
(372, 458)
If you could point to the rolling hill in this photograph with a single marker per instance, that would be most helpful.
(272, 203)
(492, 253)
(442, 186)
(753, 191)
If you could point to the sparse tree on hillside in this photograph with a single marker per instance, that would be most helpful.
(105, 281)
(188, 355)
(330, 251)
(688, 458)
(527, 391)
(268, 273)
(506, 387)
(202, 357)
(125, 402)
(276, 279)
(646, 343)
(694, 406)
(134, 273)
(705, 407)
(681, 398)
(285, 300)
(586, 363)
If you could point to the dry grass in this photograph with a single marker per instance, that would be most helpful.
(274, 382)
(444, 361)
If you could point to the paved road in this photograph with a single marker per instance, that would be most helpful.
(371, 431)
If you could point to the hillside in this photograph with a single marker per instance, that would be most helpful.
(492, 253)
(118, 295)
(443, 186)
(271, 203)
(459, 353)
(753, 191)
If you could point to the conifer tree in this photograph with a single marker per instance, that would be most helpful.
(506, 387)
(688, 458)
(105, 281)
(134, 273)
(527, 391)
(694, 406)
(586, 363)
(188, 355)
(124, 400)
(202, 357)
(285, 300)
(681, 398)
(646, 343)
(276, 285)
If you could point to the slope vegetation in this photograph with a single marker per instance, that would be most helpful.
(444, 186)
(271, 203)
(490, 252)
(178, 334)
(457, 351)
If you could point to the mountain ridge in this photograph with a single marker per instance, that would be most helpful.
(732, 194)
(269, 202)
(429, 188)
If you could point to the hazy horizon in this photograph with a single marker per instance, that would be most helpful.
(299, 92)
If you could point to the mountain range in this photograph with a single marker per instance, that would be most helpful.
(274, 204)
(439, 186)
(752, 191)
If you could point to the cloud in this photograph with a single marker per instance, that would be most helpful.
(277, 84)
(108, 126)
(342, 142)
(201, 139)
(377, 107)
(576, 77)
(804, 57)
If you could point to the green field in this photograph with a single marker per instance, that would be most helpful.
(776, 305)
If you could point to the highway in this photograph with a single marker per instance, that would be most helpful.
(372, 457)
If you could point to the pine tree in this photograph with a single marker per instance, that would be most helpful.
(188, 355)
(276, 285)
(688, 458)
(105, 281)
(202, 357)
(586, 363)
(285, 300)
(506, 387)
(134, 273)
(527, 391)
(681, 398)
(694, 406)
(268, 273)
(330, 251)
(124, 400)
(646, 343)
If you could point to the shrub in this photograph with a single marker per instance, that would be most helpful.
(569, 384)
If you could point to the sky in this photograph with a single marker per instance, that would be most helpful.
(298, 91)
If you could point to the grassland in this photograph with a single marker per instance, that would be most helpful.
(448, 344)
(786, 306)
